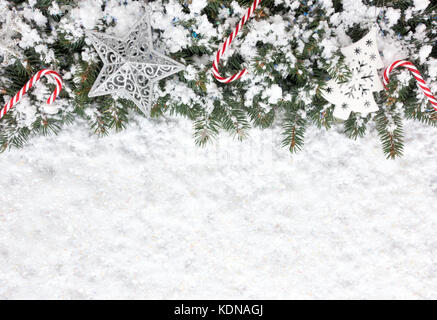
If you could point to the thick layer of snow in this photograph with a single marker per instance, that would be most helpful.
(146, 214)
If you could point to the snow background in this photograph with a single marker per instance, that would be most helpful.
(147, 214)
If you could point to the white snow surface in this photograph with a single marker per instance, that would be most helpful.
(146, 214)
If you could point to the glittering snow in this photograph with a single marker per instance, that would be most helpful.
(147, 214)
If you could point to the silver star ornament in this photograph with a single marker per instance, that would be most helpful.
(131, 65)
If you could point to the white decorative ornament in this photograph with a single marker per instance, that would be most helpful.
(356, 94)
(131, 65)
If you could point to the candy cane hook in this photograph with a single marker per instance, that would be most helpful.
(421, 83)
(29, 84)
(227, 43)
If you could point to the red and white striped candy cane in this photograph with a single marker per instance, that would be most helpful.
(227, 43)
(422, 84)
(29, 84)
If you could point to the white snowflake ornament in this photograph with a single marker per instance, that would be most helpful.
(356, 94)
(131, 65)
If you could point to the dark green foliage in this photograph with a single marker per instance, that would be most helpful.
(231, 112)
(355, 127)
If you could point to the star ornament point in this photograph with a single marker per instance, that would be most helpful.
(131, 66)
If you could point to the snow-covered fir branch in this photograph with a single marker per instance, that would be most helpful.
(291, 49)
